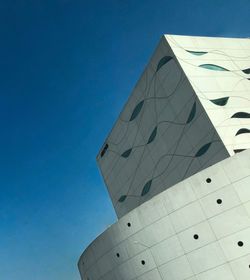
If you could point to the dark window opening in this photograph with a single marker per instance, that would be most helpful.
(104, 150)
(239, 150)
(241, 115)
(220, 101)
(219, 201)
(240, 243)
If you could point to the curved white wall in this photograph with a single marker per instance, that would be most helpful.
(156, 240)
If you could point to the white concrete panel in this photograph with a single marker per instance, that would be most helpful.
(187, 216)
(147, 216)
(167, 250)
(220, 201)
(158, 231)
(153, 274)
(242, 189)
(221, 272)
(230, 221)
(177, 269)
(206, 257)
(196, 237)
(181, 195)
(241, 268)
(230, 244)
(142, 263)
(209, 180)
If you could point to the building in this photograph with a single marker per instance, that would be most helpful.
(177, 168)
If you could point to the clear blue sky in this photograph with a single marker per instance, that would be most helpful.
(67, 68)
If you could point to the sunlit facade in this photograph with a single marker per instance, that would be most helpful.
(177, 168)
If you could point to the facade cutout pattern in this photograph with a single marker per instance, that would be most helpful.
(225, 75)
(177, 167)
(162, 136)
(198, 229)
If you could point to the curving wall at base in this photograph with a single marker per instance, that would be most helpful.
(197, 229)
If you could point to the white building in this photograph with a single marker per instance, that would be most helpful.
(177, 167)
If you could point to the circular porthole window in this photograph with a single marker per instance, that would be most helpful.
(143, 262)
(240, 243)
(118, 255)
(196, 236)
(208, 180)
(219, 201)
(128, 224)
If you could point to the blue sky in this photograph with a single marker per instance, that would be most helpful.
(67, 67)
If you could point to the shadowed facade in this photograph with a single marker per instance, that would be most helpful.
(170, 167)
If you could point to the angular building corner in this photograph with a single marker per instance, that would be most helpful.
(177, 168)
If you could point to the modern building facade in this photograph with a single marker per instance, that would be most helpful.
(177, 168)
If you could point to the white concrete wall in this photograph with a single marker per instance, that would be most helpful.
(162, 144)
(231, 83)
(213, 204)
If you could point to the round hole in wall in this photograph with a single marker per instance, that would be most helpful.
(219, 201)
(143, 262)
(196, 236)
(118, 255)
(128, 224)
(208, 180)
(240, 243)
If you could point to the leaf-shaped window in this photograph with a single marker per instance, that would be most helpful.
(242, 131)
(213, 67)
(241, 115)
(246, 71)
(239, 150)
(192, 113)
(198, 53)
(122, 198)
(146, 188)
(152, 135)
(163, 61)
(104, 150)
(126, 153)
(137, 110)
(220, 101)
(203, 150)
